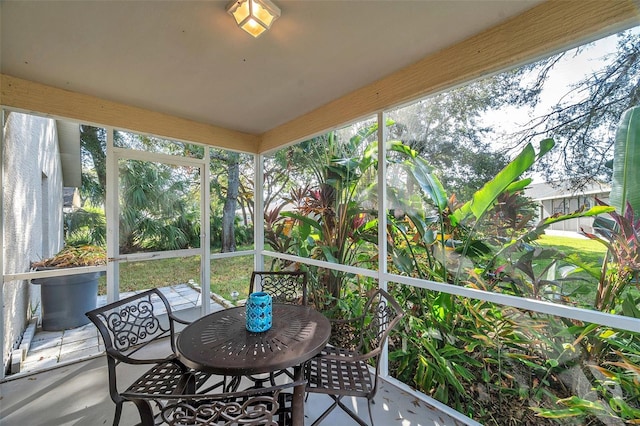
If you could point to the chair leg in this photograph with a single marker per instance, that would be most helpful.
(222, 384)
(353, 415)
(189, 386)
(118, 414)
(233, 384)
(369, 402)
(285, 410)
(327, 411)
(337, 402)
(145, 411)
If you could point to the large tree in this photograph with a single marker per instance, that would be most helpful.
(584, 120)
(447, 130)
(458, 131)
(231, 194)
(93, 144)
(230, 202)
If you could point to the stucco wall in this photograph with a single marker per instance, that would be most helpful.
(32, 202)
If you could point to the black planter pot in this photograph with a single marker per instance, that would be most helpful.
(66, 299)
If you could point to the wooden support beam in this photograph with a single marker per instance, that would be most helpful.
(34, 97)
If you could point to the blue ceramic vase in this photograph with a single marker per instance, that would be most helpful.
(258, 312)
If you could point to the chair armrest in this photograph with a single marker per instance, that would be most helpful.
(173, 317)
(129, 360)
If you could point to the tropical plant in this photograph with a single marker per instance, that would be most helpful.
(331, 218)
(160, 208)
(278, 230)
(159, 205)
(626, 173)
(86, 225)
(473, 354)
(609, 359)
(462, 351)
(622, 262)
(451, 233)
(612, 394)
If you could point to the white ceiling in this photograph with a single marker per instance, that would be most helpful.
(188, 58)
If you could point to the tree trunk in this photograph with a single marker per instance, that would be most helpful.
(230, 202)
(93, 140)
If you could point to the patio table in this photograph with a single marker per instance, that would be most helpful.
(219, 343)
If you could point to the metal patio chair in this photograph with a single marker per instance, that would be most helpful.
(283, 286)
(343, 368)
(263, 406)
(136, 331)
(289, 287)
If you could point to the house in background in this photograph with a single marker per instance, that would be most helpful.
(71, 198)
(560, 198)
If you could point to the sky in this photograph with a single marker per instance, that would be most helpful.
(573, 67)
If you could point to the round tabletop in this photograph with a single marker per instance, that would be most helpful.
(219, 343)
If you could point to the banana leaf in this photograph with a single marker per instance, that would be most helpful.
(486, 196)
(423, 173)
(626, 162)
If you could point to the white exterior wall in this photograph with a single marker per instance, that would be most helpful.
(560, 198)
(568, 205)
(32, 216)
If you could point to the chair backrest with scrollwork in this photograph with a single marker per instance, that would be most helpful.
(131, 324)
(262, 406)
(382, 313)
(283, 286)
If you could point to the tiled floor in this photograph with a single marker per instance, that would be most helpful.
(52, 348)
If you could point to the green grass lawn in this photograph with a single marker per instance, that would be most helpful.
(227, 275)
(232, 273)
(590, 251)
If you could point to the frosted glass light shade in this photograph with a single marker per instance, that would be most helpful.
(253, 16)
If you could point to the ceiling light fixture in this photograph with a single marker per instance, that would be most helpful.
(253, 16)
